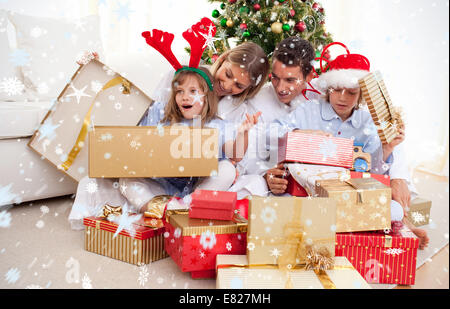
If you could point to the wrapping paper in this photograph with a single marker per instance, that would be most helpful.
(419, 211)
(381, 258)
(142, 245)
(384, 179)
(233, 272)
(278, 225)
(362, 204)
(216, 205)
(194, 243)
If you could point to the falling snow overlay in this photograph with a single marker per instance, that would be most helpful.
(11, 86)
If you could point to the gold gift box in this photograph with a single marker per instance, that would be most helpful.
(282, 229)
(419, 211)
(363, 204)
(234, 272)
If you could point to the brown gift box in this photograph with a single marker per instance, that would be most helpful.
(176, 151)
(278, 225)
(419, 211)
(95, 95)
(362, 204)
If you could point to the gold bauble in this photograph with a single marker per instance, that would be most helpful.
(230, 23)
(277, 27)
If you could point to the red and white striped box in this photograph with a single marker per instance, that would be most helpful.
(379, 257)
(315, 149)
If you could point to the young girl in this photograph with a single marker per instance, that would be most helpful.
(191, 98)
(338, 113)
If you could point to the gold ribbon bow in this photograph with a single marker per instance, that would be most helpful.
(155, 208)
(110, 210)
(87, 120)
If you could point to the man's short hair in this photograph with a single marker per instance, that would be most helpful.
(295, 51)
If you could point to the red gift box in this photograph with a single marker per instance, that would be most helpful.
(315, 149)
(384, 179)
(379, 257)
(194, 243)
(215, 205)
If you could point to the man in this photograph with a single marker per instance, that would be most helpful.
(292, 70)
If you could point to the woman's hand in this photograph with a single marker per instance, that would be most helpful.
(276, 181)
(249, 123)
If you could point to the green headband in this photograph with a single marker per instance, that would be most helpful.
(198, 71)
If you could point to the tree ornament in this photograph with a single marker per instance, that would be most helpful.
(215, 13)
(223, 22)
(222, 6)
(257, 7)
(292, 12)
(243, 26)
(277, 27)
(315, 6)
(300, 26)
(244, 10)
(286, 27)
(246, 34)
(230, 23)
(232, 1)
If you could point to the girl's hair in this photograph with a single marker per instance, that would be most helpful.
(173, 114)
(361, 101)
(251, 57)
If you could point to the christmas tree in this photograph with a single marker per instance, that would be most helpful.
(266, 23)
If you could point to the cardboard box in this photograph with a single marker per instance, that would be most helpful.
(362, 204)
(384, 179)
(143, 245)
(315, 149)
(62, 135)
(419, 211)
(194, 243)
(233, 272)
(176, 151)
(282, 229)
(379, 257)
(215, 205)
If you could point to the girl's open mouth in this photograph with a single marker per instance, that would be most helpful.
(187, 106)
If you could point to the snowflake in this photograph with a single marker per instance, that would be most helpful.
(126, 222)
(275, 252)
(251, 246)
(202, 254)
(106, 137)
(394, 251)
(229, 246)
(197, 98)
(118, 106)
(86, 282)
(328, 149)
(12, 275)
(143, 275)
(135, 144)
(19, 57)
(208, 240)
(177, 233)
(123, 11)
(78, 93)
(96, 86)
(37, 32)
(11, 86)
(417, 217)
(383, 199)
(40, 224)
(47, 130)
(210, 39)
(91, 187)
(5, 219)
(268, 215)
(44, 209)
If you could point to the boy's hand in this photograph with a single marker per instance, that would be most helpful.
(249, 123)
(316, 132)
(275, 181)
(389, 148)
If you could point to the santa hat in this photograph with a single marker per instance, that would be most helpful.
(343, 72)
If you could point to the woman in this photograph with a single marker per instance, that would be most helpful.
(238, 75)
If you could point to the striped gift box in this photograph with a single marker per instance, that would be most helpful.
(315, 149)
(143, 246)
(381, 258)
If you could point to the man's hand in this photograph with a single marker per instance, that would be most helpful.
(401, 194)
(275, 181)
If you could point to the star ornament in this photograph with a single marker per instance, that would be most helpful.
(197, 98)
(125, 222)
(210, 39)
(78, 93)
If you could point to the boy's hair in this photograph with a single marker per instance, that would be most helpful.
(173, 114)
(295, 51)
(251, 57)
(361, 101)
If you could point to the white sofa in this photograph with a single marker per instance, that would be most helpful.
(25, 175)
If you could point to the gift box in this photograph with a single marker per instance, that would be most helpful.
(121, 152)
(303, 177)
(282, 229)
(362, 204)
(216, 205)
(142, 244)
(315, 149)
(234, 272)
(419, 211)
(95, 95)
(194, 243)
(379, 257)
(384, 179)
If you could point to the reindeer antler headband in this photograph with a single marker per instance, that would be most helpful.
(198, 36)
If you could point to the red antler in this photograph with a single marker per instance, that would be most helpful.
(198, 36)
(162, 41)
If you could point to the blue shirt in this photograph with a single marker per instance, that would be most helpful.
(320, 115)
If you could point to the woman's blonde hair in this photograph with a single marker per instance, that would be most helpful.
(172, 112)
(251, 57)
(361, 101)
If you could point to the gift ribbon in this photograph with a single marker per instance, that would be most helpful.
(323, 277)
(87, 120)
(108, 210)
